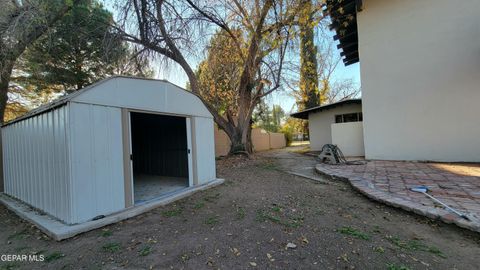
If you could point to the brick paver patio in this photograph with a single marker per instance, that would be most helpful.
(456, 184)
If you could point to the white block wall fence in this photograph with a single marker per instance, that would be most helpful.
(72, 159)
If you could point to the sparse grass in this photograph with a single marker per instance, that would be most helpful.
(263, 216)
(229, 183)
(54, 256)
(415, 245)
(240, 213)
(20, 249)
(39, 252)
(106, 233)
(305, 203)
(436, 251)
(172, 213)
(9, 266)
(269, 165)
(212, 198)
(353, 232)
(392, 266)
(379, 249)
(199, 205)
(112, 247)
(296, 222)
(376, 229)
(212, 221)
(23, 234)
(291, 222)
(276, 208)
(185, 257)
(145, 251)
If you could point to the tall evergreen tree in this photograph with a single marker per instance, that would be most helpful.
(80, 50)
(309, 93)
(21, 24)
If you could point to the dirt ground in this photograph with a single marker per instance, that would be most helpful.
(261, 218)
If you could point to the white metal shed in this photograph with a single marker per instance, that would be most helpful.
(113, 145)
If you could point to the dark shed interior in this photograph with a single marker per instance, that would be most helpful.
(159, 154)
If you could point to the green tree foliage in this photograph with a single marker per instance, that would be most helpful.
(309, 92)
(21, 24)
(291, 127)
(269, 119)
(81, 49)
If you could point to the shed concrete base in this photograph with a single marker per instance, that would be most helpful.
(60, 231)
(147, 187)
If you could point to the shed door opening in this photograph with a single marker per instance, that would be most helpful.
(159, 155)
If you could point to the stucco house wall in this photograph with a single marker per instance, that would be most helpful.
(420, 66)
(349, 138)
(319, 124)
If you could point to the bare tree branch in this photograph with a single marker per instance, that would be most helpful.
(260, 31)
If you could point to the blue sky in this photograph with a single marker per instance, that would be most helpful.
(282, 98)
(177, 76)
(287, 102)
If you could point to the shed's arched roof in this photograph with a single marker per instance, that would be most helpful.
(133, 93)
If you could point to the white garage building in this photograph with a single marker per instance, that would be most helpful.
(117, 144)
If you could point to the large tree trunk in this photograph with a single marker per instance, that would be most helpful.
(241, 140)
(238, 131)
(249, 143)
(241, 137)
(236, 143)
(5, 76)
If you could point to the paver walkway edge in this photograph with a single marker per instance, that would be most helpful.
(364, 183)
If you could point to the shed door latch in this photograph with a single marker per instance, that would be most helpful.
(188, 151)
(131, 156)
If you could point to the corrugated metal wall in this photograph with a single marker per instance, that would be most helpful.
(97, 161)
(204, 141)
(36, 167)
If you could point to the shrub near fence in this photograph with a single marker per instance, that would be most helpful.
(261, 139)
